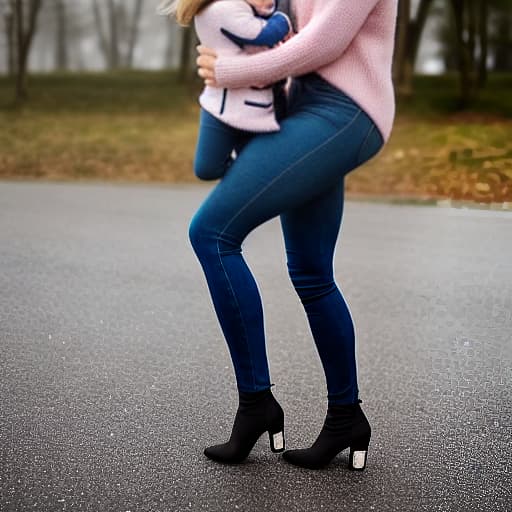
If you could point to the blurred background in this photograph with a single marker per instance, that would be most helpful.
(106, 90)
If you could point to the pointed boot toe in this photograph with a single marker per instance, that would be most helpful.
(257, 413)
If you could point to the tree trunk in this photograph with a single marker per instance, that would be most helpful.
(464, 60)
(114, 35)
(402, 27)
(186, 49)
(61, 50)
(24, 39)
(21, 92)
(118, 41)
(502, 60)
(169, 56)
(10, 38)
(484, 43)
(417, 29)
(101, 33)
(409, 43)
(133, 33)
(471, 31)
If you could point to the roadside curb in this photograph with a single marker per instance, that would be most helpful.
(429, 201)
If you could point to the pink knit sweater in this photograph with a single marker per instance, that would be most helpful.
(347, 42)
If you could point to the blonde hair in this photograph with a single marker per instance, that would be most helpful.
(183, 10)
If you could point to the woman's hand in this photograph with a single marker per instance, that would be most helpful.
(206, 64)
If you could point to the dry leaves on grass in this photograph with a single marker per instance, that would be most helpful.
(470, 162)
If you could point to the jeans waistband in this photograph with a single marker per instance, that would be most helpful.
(314, 79)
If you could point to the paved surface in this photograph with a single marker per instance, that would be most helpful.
(114, 375)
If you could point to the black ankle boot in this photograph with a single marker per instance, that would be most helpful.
(257, 413)
(344, 426)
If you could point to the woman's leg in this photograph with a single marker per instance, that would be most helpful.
(275, 173)
(215, 143)
(310, 234)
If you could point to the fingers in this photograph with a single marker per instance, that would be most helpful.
(206, 65)
(209, 78)
(206, 61)
(205, 73)
(204, 50)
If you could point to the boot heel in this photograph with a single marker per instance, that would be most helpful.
(357, 460)
(277, 442)
(358, 454)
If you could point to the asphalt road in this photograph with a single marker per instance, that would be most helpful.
(114, 374)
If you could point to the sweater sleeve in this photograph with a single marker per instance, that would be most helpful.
(321, 41)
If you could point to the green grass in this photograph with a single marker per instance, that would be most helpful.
(142, 91)
(142, 126)
(116, 92)
(436, 96)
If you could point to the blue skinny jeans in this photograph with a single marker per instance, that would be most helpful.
(215, 143)
(297, 174)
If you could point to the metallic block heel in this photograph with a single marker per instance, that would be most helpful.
(357, 459)
(358, 454)
(277, 442)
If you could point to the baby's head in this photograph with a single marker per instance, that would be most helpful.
(263, 7)
(185, 10)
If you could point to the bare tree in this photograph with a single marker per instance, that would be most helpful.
(119, 34)
(409, 32)
(100, 30)
(25, 14)
(169, 49)
(465, 58)
(114, 35)
(402, 27)
(471, 28)
(187, 36)
(8, 14)
(502, 38)
(483, 30)
(186, 69)
(133, 33)
(61, 39)
(107, 33)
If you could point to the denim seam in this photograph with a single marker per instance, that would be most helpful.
(370, 131)
(346, 127)
(239, 312)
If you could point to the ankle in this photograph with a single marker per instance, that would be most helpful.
(254, 395)
(333, 401)
(246, 398)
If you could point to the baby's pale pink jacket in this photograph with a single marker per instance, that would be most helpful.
(242, 107)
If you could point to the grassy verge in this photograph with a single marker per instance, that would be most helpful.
(136, 126)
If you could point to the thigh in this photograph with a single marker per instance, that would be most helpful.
(279, 172)
(216, 140)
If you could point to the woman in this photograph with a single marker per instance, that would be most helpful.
(340, 113)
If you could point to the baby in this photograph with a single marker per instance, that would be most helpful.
(229, 117)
